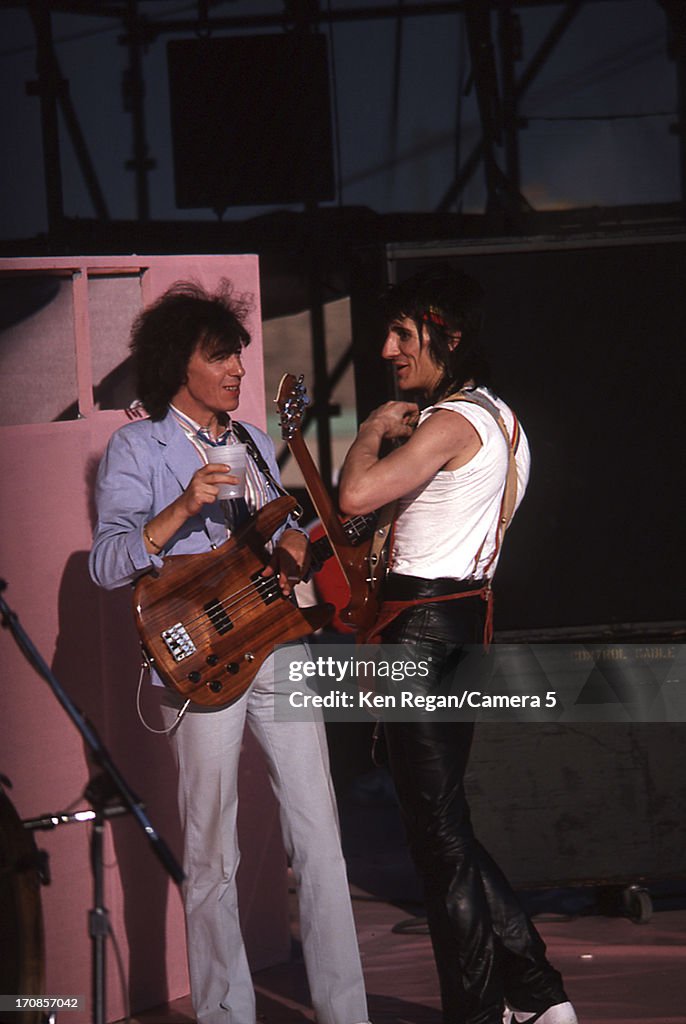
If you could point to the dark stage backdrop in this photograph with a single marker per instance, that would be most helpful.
(586, 342)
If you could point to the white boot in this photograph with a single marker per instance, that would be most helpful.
(562, 1013)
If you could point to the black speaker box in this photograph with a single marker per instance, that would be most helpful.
(251, 120)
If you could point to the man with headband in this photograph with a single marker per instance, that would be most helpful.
(458, 478)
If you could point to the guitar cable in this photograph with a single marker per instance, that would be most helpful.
(158, 732)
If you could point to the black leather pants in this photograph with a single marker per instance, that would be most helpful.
(485, 947)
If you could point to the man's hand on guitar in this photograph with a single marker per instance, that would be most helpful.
(290, 561)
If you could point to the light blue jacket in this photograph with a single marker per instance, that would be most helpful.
(146, 466)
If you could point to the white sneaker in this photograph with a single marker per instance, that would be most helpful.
(561, 1013)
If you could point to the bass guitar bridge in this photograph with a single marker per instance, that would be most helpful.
(179, 643)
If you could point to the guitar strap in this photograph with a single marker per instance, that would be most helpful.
(509, 499)
(391, 609)
(246, 438)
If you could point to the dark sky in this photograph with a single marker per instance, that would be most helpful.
(597, 129)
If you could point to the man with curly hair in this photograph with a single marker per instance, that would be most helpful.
(156, 494)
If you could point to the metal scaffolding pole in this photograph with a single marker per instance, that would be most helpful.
(134, 103)
(48, 87)
(538, 60)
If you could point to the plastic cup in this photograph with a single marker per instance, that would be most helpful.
(233, 456)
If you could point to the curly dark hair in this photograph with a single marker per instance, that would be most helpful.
(444, 300)
(166, 333)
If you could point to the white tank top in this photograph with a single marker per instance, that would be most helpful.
(443, 525)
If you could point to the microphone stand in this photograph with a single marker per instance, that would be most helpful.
(99, 792)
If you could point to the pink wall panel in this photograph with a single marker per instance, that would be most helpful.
(87, 636)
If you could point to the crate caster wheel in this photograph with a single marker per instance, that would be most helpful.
(637, 904)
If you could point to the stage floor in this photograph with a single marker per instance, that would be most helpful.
(616, 971)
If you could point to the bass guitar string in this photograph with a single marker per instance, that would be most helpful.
(234, 605)
(359, 525)
(238, 609)
(244, 610)
(232, 599)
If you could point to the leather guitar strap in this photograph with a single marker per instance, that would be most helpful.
(391, 609)
(509, 499)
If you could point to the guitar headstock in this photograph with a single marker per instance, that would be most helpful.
(291, 399)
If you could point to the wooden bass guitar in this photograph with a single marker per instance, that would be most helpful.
(362, 564)
(207, 621)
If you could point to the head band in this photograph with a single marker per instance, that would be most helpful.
(433, 316)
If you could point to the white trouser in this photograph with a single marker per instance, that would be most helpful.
(207, 745)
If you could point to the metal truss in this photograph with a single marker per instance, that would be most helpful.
(494, 40)
(493, 57)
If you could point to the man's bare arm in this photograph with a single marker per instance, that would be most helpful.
(446, 440)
